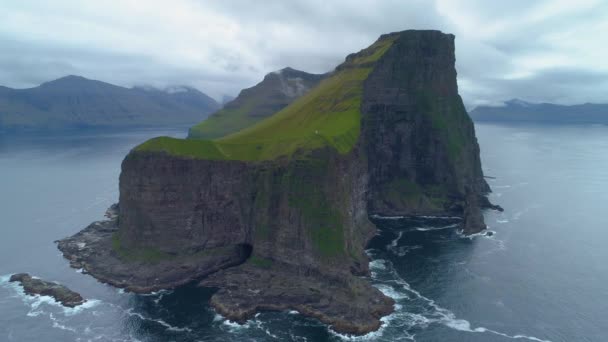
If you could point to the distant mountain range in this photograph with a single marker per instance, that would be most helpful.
(521, 111)
(74, 101)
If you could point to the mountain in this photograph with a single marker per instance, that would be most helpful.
(276, 215)
(521, 111)
(226, 99)
(275, 92)
(75, 101)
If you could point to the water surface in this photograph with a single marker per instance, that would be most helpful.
(541, 277)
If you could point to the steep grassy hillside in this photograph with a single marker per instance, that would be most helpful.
(277, 90)
(328, 115)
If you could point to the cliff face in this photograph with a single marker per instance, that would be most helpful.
(296, 215)
(421, 145)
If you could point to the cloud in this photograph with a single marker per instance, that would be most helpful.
(536, 50)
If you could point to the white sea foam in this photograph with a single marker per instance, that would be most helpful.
(501, 186)
(377, 264)
(58, 325)
(426, 229)
(260, 325)
(391, 284)
(168, 326)
(389, 291)
(380, 217)
(396, 240)
(235, 326)
(440, 217)
(160, 295)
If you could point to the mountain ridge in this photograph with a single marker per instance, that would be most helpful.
(516, 110)
(75, 102)
(276, 91)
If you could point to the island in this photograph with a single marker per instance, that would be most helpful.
(517, 111)
(275, 216)
(34, 286)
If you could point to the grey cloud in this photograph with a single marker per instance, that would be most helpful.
(504, 49)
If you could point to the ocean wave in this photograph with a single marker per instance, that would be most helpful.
(168, 326)
(488, 233)
(401, 217)
(380, 217)
(387, 280)
(58, 325)
(235, 326)
(426, 229)
(501, 186)
(439, 217)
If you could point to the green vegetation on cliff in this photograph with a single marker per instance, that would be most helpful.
(225, 121)
(449, 118)
(276, 91)
(328, 115)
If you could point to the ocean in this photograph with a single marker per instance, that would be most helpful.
(541, 275)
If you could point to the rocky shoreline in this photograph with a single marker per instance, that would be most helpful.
(94, 251)
(348, 304)
(34, 286)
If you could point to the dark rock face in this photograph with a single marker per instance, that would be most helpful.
(98, 250)
(290, 233)
(34, 286)
(423, 157)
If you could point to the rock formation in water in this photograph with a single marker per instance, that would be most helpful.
(276, 216)
(34, 286)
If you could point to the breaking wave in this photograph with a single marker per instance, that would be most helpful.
(414, 311)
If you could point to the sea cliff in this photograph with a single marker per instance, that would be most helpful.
(276, 216)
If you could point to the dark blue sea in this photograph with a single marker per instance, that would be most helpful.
(542, 275)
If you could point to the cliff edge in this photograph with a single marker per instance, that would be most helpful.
(275, 216)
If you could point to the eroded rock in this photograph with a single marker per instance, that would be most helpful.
(34, 286)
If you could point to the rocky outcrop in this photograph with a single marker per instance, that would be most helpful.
(34, 286)
(290, 232)
(98, 250)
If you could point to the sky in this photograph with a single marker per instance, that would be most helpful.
(539, 51)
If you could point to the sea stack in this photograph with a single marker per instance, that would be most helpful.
(275, 216)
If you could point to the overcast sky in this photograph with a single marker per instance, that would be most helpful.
(552, 51)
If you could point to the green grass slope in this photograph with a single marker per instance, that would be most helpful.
(276, 91)
(225, 120)
(328, 115)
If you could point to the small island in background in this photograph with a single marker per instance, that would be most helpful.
(519, 111)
